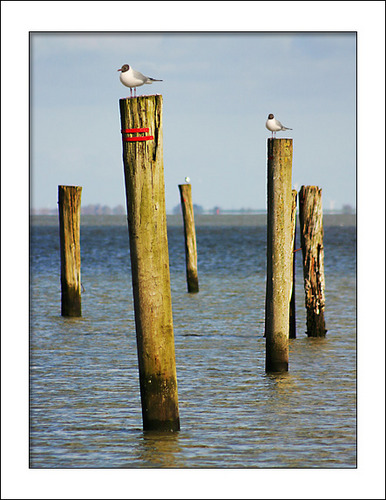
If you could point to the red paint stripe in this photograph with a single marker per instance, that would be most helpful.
(134, 130)
(140, 138)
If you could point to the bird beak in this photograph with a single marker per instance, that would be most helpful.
(119, 69)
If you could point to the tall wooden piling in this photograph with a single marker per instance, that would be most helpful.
(141, 122)
(69, 198)
(311, 236)
(190, 237)
(292, 326)
(279, 254)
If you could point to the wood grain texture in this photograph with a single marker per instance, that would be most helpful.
(279, 253)
(292, 328)
(69, 200)
(190, 237)
(146, 213)
(311, 235)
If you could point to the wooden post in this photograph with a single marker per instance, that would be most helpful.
(141, 121)
(311, 235)
(279, 254)
(292, 327)
(69, 231)
(190, 237)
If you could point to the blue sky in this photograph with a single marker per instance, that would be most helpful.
(218, 89)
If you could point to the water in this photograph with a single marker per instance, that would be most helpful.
(85, 409)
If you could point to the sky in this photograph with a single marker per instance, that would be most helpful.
(218, 89)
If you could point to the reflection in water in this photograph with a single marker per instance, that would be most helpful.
(159, 449)
(280, 382)
(280, 391)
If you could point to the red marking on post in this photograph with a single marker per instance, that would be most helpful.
(141, 138)
(297, 249)
(136, 130)
(270, 157)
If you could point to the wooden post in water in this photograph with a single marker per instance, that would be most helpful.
(279, 254)
(311, 236)
(292, 326)
(69, 230)
(190, 237)
(141, 121)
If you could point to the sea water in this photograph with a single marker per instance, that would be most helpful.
(85, 408)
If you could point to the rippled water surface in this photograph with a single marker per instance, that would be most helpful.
(85, 408)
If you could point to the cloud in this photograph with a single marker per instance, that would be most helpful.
(217, 89)
(47, 45)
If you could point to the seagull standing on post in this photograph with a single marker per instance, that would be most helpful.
(133, 79)
(274, 125)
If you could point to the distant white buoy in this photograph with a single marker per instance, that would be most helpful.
(187, 179)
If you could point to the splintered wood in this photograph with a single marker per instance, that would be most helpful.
(311, 235)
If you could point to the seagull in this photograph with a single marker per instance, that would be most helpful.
(187, 179)
(133, 79)
(274, 125)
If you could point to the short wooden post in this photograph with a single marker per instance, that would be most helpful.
(190, 237)
(141, 121)
(292, 327)
(311, 235)
(279, 254)
(69, 230)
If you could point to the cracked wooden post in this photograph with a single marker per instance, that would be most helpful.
(279, 254)
(69, 198)
(190, 237)
(292, 327)
(141, 122)
(311, 236)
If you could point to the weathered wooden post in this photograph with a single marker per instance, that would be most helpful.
(292, 327)
(311, 236)
(69, 198)
(279, 254)
(141, 121)
(190, 237)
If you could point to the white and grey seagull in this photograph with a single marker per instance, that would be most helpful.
(274, 125)
(133, 78)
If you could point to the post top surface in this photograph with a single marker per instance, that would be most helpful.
(280, 139)
(139, 97)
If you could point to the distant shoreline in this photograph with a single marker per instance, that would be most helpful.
(244, 219)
